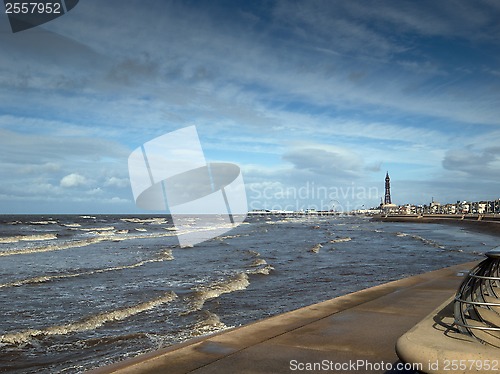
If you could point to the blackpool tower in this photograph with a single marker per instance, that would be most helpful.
(387, 199)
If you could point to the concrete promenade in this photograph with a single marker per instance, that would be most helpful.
(352, 333)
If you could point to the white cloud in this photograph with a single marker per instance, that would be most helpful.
(73, 180)
(119, 200)
(482, 164)
(95, 191)
(117, 182)
(332, 162)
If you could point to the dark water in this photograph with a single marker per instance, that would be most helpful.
(77, 292)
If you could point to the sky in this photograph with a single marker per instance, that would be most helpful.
(314, 100)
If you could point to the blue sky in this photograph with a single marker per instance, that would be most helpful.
(314, 100)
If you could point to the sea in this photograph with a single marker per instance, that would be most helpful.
(82, 291)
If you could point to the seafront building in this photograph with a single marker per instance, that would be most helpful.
(434, 207)
(460, 207)
(483, 207)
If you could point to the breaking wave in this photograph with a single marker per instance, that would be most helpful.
(423, 240)
(260, 266)
(50, 248)
(316, 248)
(86, 324)
(237, 282)
(96, 229)
(221, 238)
(154, 221)
(341, 240)
(253, 253)
(209, 324)
(258, 262)
(49, 222)
(164, 256)
(264, 270)
(107, 236)
(71, 225)
(27, 238)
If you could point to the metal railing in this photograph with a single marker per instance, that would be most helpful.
(477, 302)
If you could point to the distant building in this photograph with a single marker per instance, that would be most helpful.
(388, 206)
(387, 199)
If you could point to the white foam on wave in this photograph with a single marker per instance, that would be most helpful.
(316, 248)
(48, 222)
(96, 229)
(154, 221)
(89, 323)
(71, 225)
(54, 247)
(341, 240)
(209, 324)
(259, 265)
(164, 256)
(253, 253)
(237, 282)
(104, 234)
(27, 238)
(221, 238)
(82, 243)
(258, 262)
(423, 240)
(264, 270)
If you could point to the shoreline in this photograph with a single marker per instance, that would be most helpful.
(477, 223)
(338, 331)
(252, 343)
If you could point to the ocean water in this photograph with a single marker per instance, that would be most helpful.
(78, 292)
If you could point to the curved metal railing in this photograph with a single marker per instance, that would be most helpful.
(477, 302)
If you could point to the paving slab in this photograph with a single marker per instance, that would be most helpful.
(355, 332)
(436, 345)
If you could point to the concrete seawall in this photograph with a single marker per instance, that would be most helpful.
(352, 333)
(488, 224)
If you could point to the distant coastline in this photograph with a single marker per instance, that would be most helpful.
(484, 223)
